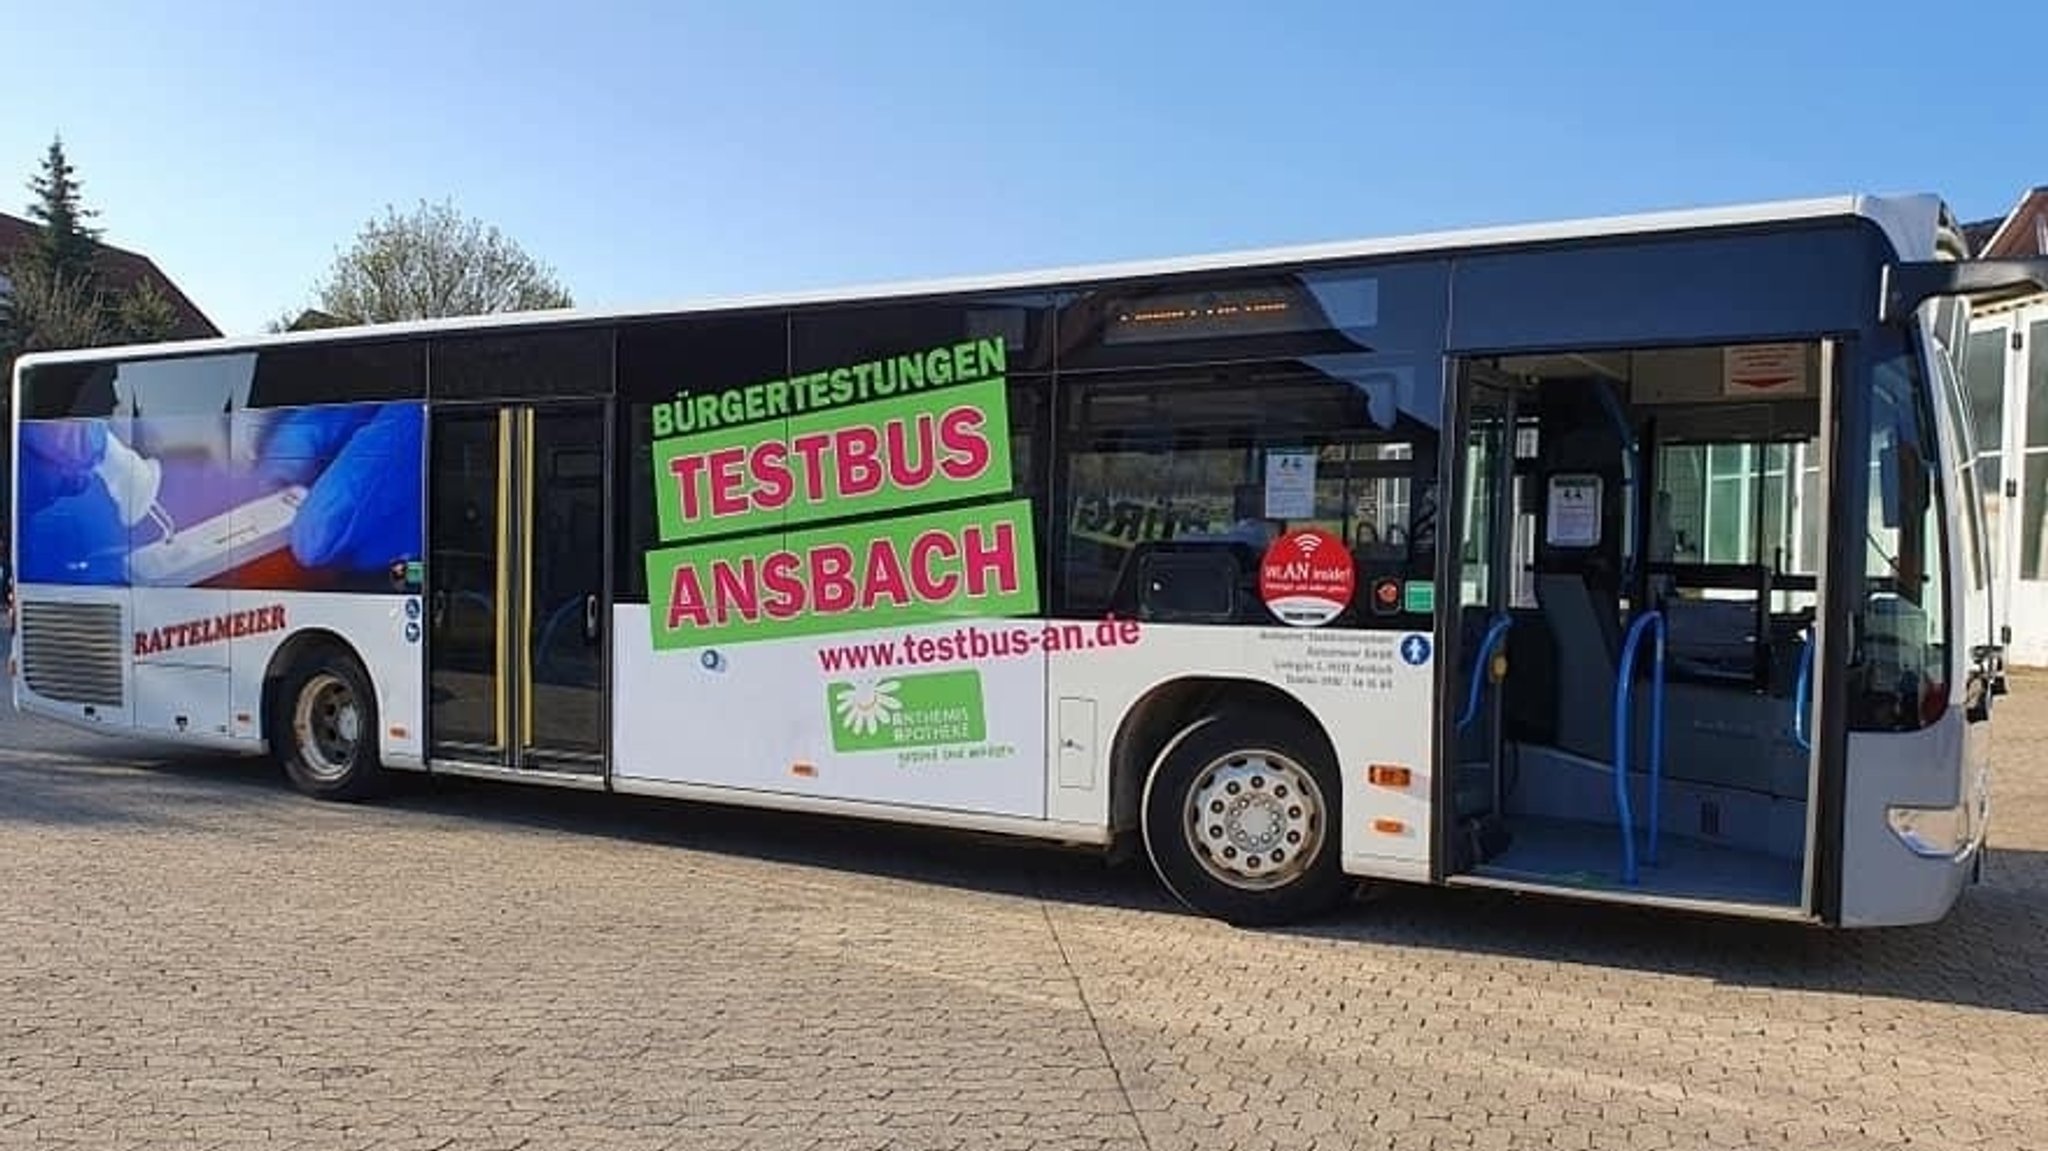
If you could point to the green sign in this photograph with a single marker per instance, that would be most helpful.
(927, 710)
(898, 453)
(901, 570)
(1418, 597)
(736, 471)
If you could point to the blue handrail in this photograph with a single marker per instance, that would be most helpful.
(1494, 632)
(1624, 692)
(1802, 691)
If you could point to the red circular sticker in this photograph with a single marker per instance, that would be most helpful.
(1306, 578)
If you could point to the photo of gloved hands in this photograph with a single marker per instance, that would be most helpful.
(306, 498)
(360, 466)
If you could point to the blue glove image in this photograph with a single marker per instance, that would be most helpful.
(71, 529)
(60, 459)
(361, 466)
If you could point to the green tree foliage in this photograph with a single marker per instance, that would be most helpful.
(56, 296)
(67, 247)
(431, 262)
(44, 311)
(145, 315)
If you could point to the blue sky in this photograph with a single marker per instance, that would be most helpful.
(657, 152)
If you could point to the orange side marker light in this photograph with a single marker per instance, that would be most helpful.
(1387, 775)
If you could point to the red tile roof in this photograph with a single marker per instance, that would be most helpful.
(122, 270)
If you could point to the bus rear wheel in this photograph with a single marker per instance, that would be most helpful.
(325, 719)
(1240, 817)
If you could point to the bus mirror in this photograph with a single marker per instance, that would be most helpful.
(1906, 286)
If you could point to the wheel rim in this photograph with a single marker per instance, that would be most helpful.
(328, 722)
(1255, 819)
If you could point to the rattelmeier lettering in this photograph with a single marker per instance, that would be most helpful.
(211, 629)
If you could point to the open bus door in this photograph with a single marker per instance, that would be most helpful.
(1475, 629)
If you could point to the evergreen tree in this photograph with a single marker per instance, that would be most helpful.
(67, 245)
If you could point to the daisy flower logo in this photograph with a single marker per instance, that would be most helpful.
(866, 706)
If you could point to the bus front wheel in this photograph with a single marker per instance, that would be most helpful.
(1240, 816)
(325, 720)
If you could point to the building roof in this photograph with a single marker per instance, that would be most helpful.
(1978, 233)
(122, 270)
(2019, 233)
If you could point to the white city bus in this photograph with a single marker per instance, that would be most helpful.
(1635, 559)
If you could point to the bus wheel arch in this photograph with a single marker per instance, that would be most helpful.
(1257, 760)
(320, 717)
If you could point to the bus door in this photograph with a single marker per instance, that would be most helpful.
(516, 589)
(1483, 527)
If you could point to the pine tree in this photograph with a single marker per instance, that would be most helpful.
(67, 245)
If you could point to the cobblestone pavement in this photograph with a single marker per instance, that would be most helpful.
(191, 956)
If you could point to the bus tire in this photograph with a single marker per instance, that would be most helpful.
(1240, 817)
(325, 720)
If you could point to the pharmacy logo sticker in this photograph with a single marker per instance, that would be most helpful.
(1307, 578)
(888, 713)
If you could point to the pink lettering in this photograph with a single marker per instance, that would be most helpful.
(782, 573)
(812, 448)
(733, 590)
(933, 586)
(984, 557)
(770, 467)
(686, 600)
(725, 482)
(686, 469)
(966, 445)
(884, 577)
(911, 464)
(831, 578)
(860, 472)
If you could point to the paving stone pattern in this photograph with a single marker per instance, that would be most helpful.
(193, 956)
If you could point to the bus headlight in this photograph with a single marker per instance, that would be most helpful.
(1935, 832)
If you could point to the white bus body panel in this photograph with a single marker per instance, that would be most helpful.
(766, 716)
(195, 659)
(766, 719)
(1370, 691)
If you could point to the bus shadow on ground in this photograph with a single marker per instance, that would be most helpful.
(1991, 952)
(74, 790)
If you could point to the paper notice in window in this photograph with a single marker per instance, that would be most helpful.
(1291, 485)
(1574, 520)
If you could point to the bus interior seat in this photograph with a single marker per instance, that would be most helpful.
(1530, 690)
(1585, 626)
